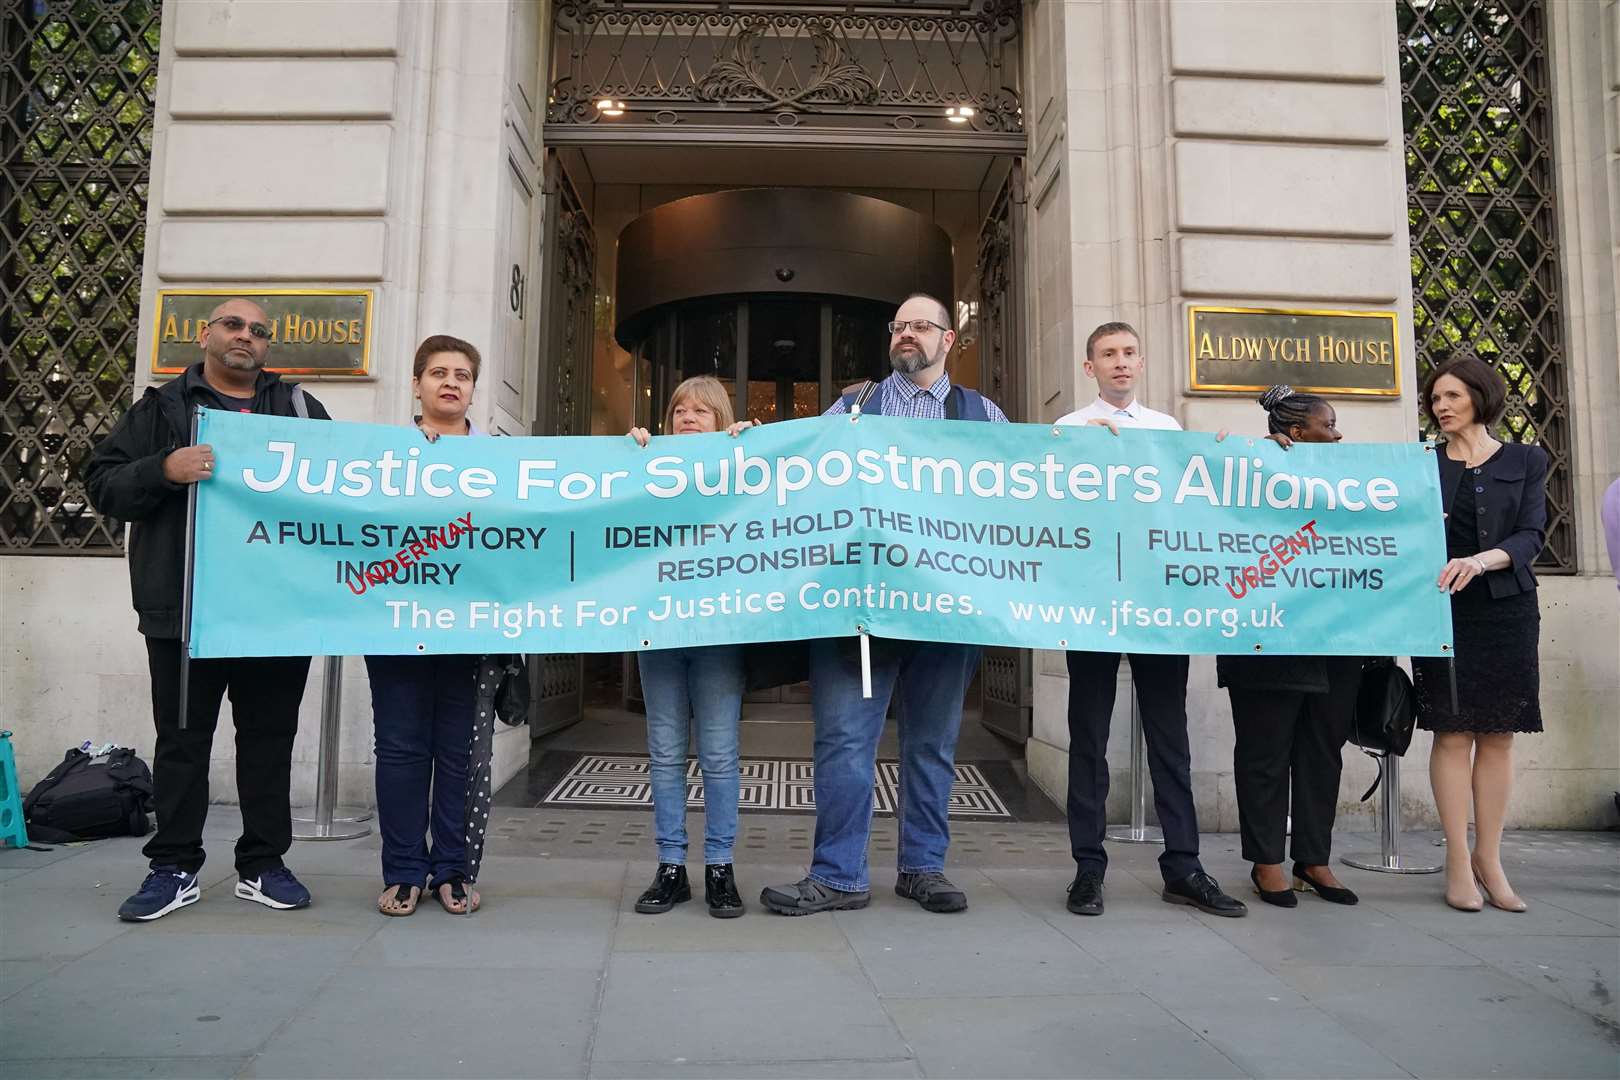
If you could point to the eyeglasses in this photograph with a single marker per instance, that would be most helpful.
(918, 326)
(234, 324)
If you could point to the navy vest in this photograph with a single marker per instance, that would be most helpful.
(960, 404)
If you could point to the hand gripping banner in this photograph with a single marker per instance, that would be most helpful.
(336, 538)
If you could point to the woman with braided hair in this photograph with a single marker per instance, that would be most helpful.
(1292, 715)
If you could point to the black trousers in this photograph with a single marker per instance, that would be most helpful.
(1161, 698)
(1289, 741)
(265, 693)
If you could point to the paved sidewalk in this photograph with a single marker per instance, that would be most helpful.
(558, 977)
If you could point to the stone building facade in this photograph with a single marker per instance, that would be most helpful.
(1236, 152)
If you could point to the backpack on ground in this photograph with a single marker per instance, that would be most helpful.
(87, 798)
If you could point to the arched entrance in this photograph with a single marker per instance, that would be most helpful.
(780, 293)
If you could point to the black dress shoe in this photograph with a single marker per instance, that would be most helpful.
(669, 887)
(1086, 894)
(1204, 893)
(1339, 895)
(1279, 897)
(720, 891)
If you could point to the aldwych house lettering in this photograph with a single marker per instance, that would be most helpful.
(312, 331)
(1244, 350)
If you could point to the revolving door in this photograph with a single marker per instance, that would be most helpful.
(781, 357)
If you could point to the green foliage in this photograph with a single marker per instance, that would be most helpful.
(78, 79)
(1480, 213)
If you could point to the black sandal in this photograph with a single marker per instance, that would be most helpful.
(461, 902)
(406, 896)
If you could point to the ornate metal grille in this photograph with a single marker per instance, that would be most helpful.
(571, 307)
(77, 81)
(625, 69)
(1479, 188)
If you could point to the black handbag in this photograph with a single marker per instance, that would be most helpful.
(1386, 712)
(512, 695)
(1386, 708)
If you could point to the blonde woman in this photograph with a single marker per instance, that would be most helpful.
(697, 688)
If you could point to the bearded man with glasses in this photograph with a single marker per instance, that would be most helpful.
(929, 677)
(140, 473)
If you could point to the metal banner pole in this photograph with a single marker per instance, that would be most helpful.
(1388, 859)
(185, 587)
(1138, 831)
(324, 826)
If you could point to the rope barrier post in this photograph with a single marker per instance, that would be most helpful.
(1388, 859)
(324, 825)
(1138, 831)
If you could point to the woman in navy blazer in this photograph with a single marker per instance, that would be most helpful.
(1495, 499)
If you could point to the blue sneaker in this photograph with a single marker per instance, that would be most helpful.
(274, 888)
(166, 889)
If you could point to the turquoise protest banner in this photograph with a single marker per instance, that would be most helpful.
(336, 538)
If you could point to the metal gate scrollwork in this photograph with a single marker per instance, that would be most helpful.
(638, 66)
(1006, 675)
(557, 680)
(78, 80)
(570, 308)
(1480, 209)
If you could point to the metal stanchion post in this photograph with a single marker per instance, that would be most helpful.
(323, 825)
(1138, 831)
(1389, 860)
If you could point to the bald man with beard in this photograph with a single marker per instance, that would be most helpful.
(141, 473)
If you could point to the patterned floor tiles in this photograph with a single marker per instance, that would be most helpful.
(767, 784)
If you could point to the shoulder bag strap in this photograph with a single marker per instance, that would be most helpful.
(865, 395)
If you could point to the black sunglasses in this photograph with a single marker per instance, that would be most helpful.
(234, 324)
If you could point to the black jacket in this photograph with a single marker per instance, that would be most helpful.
(126, 482)
(1512, 509)
(1304, 674)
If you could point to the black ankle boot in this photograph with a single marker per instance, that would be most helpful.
(720, 890)
(669, 887)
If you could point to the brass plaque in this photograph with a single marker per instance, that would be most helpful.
(312, 331)
(1246, 350)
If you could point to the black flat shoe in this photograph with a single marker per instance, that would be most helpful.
(1203, 892)
(1303, 883)
(720, 891)
(1086, 894)
(669, 887)
(1280, 897)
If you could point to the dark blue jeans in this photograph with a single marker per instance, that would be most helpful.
(422, 714)
(930, 679)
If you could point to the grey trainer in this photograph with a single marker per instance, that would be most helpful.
(933, 890)
(806, 897)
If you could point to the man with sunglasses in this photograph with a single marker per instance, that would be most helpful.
(930, 678)
(140, 473)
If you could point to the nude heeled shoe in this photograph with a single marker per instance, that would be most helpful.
(1510, 902)
(1474, 904)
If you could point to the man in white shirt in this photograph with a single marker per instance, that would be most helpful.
(1114, 359)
